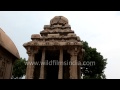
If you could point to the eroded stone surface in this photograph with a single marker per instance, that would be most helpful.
(8, 55)
(56, 36)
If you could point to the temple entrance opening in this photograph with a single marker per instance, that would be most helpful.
(52, 64)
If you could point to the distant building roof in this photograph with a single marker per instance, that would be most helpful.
(8, 44)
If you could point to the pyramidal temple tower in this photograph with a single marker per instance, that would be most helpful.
(55, 52)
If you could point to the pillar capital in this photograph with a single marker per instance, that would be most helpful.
(73, 51)
(32, 50)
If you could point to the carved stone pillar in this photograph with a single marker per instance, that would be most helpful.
(42, 68)
(30, 67)
(60, 73)
(73, 59)
(30, 64)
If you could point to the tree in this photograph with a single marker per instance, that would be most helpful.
(19, 69)
(95, 71)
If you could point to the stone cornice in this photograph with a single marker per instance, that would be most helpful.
(52, 43)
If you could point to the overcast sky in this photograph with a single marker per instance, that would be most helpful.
(99, 28)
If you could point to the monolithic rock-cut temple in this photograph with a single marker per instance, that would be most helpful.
(55, 52)
(8, 55)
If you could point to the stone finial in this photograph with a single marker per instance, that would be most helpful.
(61, 20)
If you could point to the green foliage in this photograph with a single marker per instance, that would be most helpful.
(19, 69)
(95, 71)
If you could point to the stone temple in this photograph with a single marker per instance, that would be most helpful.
(8, 55)
(55, 52)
